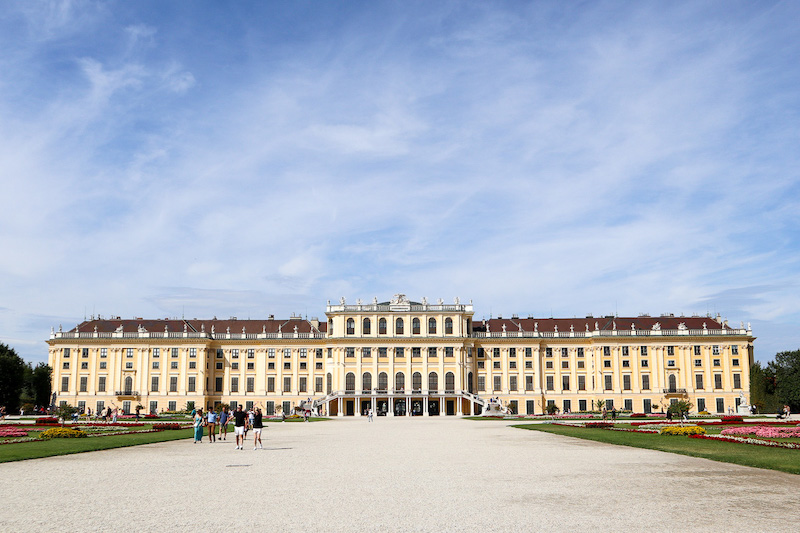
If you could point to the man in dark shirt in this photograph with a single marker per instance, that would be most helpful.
(239, 421)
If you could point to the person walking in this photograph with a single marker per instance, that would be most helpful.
(258, 425)
(224, 416)
(211, 421)
(198, 426)
(239, 423)
(369, 415)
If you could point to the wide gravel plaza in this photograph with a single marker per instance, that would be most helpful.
(394, 474)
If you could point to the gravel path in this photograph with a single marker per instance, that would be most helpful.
(395, 474)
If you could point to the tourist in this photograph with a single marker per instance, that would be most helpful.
(2, 413)
(223, 423)
(198, 426)
(114, 414)
(211, 421)
(614, 414)
(239, 423)
(786, 412)
(258, 425)
(250, 419)
(605, 414)
(369, 415)
(138, 407)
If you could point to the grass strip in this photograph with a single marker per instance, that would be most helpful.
(780, 459)
(35, 450)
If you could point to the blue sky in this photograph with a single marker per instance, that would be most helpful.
(160, 159)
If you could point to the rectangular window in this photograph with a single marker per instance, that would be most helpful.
(303, 384)
(548, 364)
(720, 405)
(129, 352)
(101, 384)
(85, 353)
(734, 350)
(496, 352)
(193, 352)
(643, 350)
(606, 350)
(647, 406)
(581, 382)
(383, 352)
(581, 364)
(234, 384)
(698, 381)
(645, 382)
(628, 405)
(565, 382)
(84, 383)
(399, 352)
(625, 351)
(251, 353)
(512, 352)
(607, 363)
(735, 362)
(319, 353)
(84, 365)
(697, 350)
(349, 352)
(416, 352)
(481, 364)
(174, 352)
(287, 407)
(269, 408)
(530, 406)
(608, 379)
(235, 353)
(271, 384)
(319, 366)
(172, 406)
(252, 366)
(271, 365)
(192, 364)
(737, 381)
(235, 366)
(431, 352)
(513, 364)
(498, 382)
(701, 404)
(303, 365)
(251, 384)
(482, 383)
(173, 365)
(173, 383)
(318, 384)
(155, 365)
(271, 353)
(715, 350)
(567, 406)
(496, 364)
(220, 353)
(102, 365)
(582, 405)
(219, 365)
(528, 364)
(366, 353)
(580, 352)
(287, 365)
(528, 383)
(103, 353)
(549, 383)
(153, 383)
(287, 383)
(626, 382)
(564, 352)
(330, 353)
(645, 363)
(717, 362)
(100, 406)
(287, 353)
(717, 381)
(192, 384)
(670, 350)
(671, 363)
(65, 366)
(626, 363)
(565, 364)
(66, 353)
(528, 352)
(512, 383)
(481, 352)
(218, 384)
(448, 351)
(548, 352)
(129, 365)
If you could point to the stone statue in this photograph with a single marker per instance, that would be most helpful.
(424, 300)
(555, 328)
(374, 300)
(264, 329)
(587, 327)
(341, 301)
(440, 301)
(457, 300)
(228, 330)
(166, 328)
(185, 327)
(536, 327)
(504, 328)
(571, 328)
(212, 329)
(358, 301)
(202, 328)
(596, 326)
(243, 330)
(656, 326)
(704, 326)
(614, 325)
(682, 326)
(119, 329)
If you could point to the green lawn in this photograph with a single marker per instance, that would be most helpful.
(34, 450)
(781, 459)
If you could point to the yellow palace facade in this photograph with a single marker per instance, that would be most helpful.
(403, 358)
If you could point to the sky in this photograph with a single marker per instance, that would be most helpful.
(200, 159)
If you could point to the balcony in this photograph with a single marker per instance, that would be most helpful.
(126, 394)
(674, 392)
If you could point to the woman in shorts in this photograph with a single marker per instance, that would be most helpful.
(258, 425)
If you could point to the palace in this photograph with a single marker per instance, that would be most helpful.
(404, 358)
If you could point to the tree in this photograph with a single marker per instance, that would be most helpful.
(787, 378)
(679, 407)
(12, 378)
(762, 388)
(40, 384)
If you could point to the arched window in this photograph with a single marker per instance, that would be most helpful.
(433, 382)
(128, 385)
(383, 381)
(366, 382)
(673, 383)
(415, 326)
(398, 326)
(382, 326)
(448, 326)
(366, 327)
(330, 384)
(350, 382)
(351, 326)
(449, 381)
(416, 381)
(399, 381)
(470, 388)
(431, 326)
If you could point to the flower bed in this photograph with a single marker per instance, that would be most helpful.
(166, 425)
(685, 430)
(764, 431)
(746, 440)
(598, 425)
(9, 432)
(62, 433)
(732, 418)
(46, 420)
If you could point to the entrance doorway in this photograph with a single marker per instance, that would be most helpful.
(349, 407)
(450, 407)
(399, 408)
(382, 406)
(365, 406)
(433, 407)
(416, 408)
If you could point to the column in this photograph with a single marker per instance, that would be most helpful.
(340, 412)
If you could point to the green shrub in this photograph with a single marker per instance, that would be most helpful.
(62, 433)
(685, 430)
